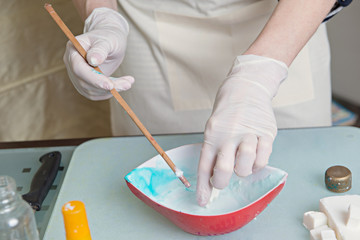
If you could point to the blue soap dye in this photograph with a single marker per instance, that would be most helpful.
(151, 181)
(96, 71)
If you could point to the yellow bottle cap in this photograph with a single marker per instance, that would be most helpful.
(75, 221)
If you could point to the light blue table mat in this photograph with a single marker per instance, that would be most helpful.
(97, 169)
(22, 164)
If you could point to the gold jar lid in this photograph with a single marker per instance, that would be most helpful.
(338, 179)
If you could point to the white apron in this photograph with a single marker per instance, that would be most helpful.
(180, 51)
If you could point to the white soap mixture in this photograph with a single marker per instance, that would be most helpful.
(163, 187)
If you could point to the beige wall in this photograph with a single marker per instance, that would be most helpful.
(37, 100)
(344, 36)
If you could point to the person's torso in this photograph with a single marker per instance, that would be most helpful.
(179, 53)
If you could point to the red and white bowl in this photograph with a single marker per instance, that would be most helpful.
(156, 185)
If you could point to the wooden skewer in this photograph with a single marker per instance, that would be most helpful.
(117, 96)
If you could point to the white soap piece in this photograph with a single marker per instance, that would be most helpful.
(353, 220)
(315, 234)
(336, 209)
(328, 234)
(214, 195)
(314, 219)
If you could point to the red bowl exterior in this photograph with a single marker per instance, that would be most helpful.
(211, 225)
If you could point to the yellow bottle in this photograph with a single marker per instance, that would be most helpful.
(75, 221)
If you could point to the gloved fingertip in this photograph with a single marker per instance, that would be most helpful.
(259, 165)
(94, 58)
(122, 87)
(203, 195)
(108, 85)
(243, 172)
(93, 61)
(218, 184)
(256, 169)
(105, 83)
(202, 201)
(130, 79)
(123, 83)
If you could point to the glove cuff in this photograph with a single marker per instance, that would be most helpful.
(264, 71)
(106, 18)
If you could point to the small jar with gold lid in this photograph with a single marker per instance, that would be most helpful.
(338, 179)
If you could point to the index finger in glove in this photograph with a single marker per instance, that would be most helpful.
(123, 83)
(205, 169)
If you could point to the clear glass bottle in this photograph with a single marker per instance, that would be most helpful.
(17, 220)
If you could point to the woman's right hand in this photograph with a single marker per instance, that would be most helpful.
(240, 132)
(104, 39)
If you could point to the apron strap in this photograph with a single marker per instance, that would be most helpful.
(338, 6)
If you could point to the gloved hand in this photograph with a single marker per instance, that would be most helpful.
(104, 39)
(240, 132)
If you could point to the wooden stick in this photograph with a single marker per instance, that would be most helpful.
(117, 96)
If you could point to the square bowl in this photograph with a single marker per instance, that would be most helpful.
(156, 185)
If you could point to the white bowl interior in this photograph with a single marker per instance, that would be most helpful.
(157, 181)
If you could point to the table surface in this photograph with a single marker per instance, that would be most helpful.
(97, 169)
(22, 164)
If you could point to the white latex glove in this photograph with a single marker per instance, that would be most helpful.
(240, 132)
(104, 39)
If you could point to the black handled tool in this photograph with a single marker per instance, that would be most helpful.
(43, 179)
